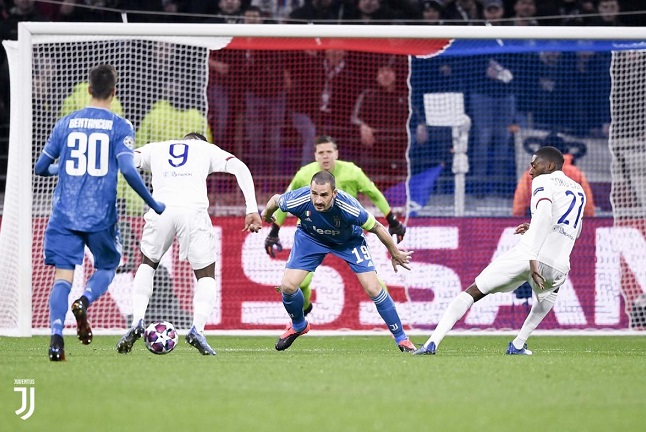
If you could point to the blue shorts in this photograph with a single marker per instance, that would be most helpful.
(65, 248)
(308, 254)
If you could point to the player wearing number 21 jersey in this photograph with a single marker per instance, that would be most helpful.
(86, 149)
(542, 257)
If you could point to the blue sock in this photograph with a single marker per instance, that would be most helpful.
(98, 284)
(58, 299)
(386, 308)
(294, 306)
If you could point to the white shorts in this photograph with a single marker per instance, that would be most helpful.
(511, 269)
(193, 230)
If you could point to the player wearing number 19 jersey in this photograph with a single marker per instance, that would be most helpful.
(333, 222)
(91, 145)
(542, 257)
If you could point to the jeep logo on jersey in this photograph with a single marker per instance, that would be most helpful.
(326, 231)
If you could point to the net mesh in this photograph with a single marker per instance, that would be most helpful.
(440, 135)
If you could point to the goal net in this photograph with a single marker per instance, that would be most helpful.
(444, 126)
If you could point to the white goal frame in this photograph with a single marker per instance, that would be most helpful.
(18, 195)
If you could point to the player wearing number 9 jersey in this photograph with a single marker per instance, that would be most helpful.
(91, 145)
(542, 257)
(179, 170)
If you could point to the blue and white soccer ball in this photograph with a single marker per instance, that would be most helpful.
(160, 337)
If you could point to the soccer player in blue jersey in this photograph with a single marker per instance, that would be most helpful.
(332, 221)
(87, 149)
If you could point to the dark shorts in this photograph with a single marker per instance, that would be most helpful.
(307, 254)
(65, 248)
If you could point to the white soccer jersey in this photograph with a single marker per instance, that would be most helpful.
(552, 243)
(179, 169)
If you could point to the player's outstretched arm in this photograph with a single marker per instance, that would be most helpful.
(245, 183)
(397, 256)
(127, 168)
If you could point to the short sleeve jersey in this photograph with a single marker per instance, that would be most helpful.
(333, 227)
(179, 169)
(568, 201)
(87, 144)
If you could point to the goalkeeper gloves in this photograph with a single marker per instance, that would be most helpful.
(272, 242)
(395, 227)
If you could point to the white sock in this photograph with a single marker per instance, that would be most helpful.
(203, 302)
(142, 289)
(456, 310)
(536, 314)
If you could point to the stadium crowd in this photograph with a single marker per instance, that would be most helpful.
(291, 105)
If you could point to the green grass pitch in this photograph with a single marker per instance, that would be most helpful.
(334, 384)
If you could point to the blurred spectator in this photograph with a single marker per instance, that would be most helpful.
(303, 85)
(493, 11)
(432, 145)
(524, 13)
(90, 11)
(277, 10)
(22, 10)
(265, 74)
(565, 13)
(381, 114)
(493, 107)
(608, 11)
(523, 193)
(370, 11)
(225, 94)
(228, 12)
(462, 12)
(545, 84)
(330, 11)
(339, 89)
(432, 12)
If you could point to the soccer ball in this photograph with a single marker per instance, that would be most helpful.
(160, 337)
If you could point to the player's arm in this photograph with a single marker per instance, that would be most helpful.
(368, 188)
(245, 181)
(130, 173)
(272, 205)
(537, 233)
(272, 241)
(397, 256)
(45, 166)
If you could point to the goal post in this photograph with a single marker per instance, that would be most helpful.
(170, 69)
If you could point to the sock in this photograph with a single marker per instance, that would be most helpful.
(142, 289)
(388, 311)
(456, 310)
(539, 310)
(58, 299)
(203, 302)
(307, 290)
(294, 306)
(98, 285)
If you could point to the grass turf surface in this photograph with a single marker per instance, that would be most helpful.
(335, 384)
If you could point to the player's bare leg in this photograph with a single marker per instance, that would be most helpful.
(456, 310)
